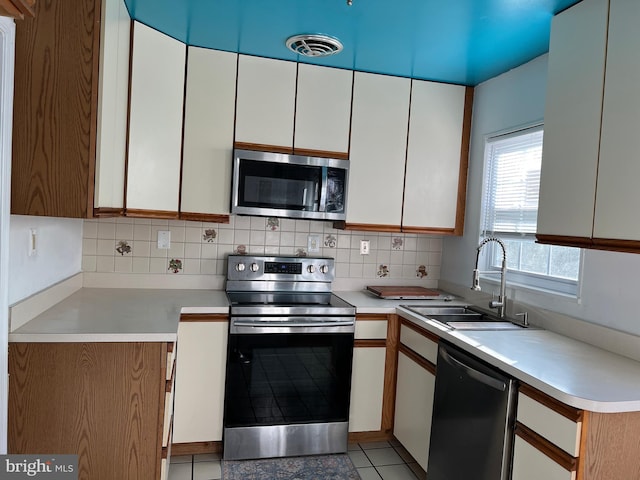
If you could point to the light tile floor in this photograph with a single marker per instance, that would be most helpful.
(373, 460)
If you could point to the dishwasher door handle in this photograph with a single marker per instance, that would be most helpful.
(475, 374)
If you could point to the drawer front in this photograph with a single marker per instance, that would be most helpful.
(419, 344)
(553, 426)
(371, 329)
(530, 463)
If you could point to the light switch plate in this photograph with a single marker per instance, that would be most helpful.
(365, 246)
(164, 239)
(313, 243)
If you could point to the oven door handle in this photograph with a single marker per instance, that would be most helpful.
(292, 325)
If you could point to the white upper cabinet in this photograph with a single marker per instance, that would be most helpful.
(155, 121)
(323, 109)
(265, 102)
(379, 127)
(588, 178)
(208, 132)
(113, 99)
(618, 195)
(572, 120)
(434, 156)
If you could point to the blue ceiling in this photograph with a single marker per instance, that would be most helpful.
(455, 41)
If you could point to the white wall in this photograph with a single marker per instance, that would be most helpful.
(610, 280)
(58, 256)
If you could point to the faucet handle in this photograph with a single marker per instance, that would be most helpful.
(525, 318)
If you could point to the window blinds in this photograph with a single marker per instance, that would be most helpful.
(513, 182)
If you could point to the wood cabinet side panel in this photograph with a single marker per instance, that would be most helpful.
(97, 400)
(611, 447)
(55, 102)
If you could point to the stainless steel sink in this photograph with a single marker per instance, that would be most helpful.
(484, 325)
(463, 318)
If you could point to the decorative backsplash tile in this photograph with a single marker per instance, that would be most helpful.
(129, 245)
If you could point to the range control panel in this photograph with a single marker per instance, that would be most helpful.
(290, 269)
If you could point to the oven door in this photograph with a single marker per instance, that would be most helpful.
(292, 378)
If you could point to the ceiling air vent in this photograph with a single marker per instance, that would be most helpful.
(314, 45)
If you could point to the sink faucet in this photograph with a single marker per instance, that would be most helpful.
(501, 303)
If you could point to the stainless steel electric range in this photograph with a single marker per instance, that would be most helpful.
(289, 359)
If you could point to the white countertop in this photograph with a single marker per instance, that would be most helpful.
(573, 372)
(119, 315)
(578, 374)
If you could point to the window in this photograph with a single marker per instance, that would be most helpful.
(510, 211)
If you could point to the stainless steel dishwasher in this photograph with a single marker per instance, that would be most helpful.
(473, 419)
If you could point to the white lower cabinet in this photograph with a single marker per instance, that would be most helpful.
(367, 387)
(414, 404)
(200, 376)
(529, 463)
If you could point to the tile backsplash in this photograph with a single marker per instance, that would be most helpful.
(129, 245)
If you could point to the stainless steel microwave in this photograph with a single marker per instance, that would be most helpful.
(295, 186)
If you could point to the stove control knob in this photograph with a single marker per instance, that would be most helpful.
(254, 267)
(311, 269)
(240, 267)
(324, 269)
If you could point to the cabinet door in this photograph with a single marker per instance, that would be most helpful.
(113, 100)
(266, 101)
(529, 463)
(200, 374)
(433, 156)
(367, 386)
(618, 196)
(378, 150)
(155, 121)
(323, 109)
(572, 120)
(414, 407)
(208, 131)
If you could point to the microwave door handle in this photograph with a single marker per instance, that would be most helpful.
(323, 190)
(304, 198)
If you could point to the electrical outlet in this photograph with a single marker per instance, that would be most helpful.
(364, 247)
(313, 243)
(164, 239)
